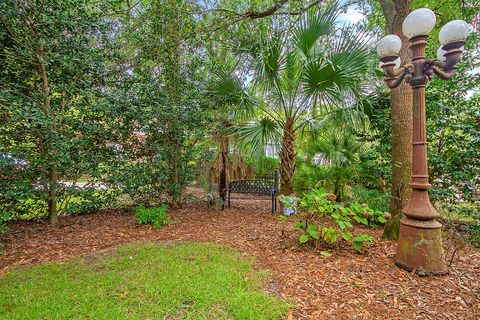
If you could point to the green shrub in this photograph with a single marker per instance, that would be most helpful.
(474, 233)
(463, 211)
(376, 199)
(263, 165)
(4, 218)
(157, 216)
(323, 219)
(365, 215)
(311, 176)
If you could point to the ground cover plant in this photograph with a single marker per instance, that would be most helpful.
(474, 233)
(148, 281)
(156, 216)
(324, 220)
(4, 218)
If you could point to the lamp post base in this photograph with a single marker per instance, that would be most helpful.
(420, 247)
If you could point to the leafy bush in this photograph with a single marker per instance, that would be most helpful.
(463, 211)
(4, 218)
(474, 233)
(157, 216)
(333, 160)
(366, 216)
(263, 165)
(308, 175)
(323, 219)
(376, 199)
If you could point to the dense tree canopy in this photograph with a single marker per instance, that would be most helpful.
(110, 102)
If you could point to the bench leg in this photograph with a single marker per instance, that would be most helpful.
(273, 204)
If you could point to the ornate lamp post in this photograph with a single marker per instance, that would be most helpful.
(420, 240)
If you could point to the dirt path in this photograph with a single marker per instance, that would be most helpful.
(347, 285)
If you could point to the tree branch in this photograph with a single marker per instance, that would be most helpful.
(262, 14)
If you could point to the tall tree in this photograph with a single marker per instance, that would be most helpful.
(395, 11)
(297, 82)
(52, 66)
(165, 81)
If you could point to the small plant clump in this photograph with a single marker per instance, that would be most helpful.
(289, 204)
(323, 219)
(4, 219)
(156, 216)
(474, 233)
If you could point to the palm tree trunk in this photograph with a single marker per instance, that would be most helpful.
(287, 158)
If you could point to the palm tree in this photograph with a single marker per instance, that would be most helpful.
(300, 78)
(342, 150)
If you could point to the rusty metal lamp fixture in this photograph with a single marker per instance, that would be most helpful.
(420, 240)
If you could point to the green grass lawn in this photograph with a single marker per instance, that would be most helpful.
(148, 281)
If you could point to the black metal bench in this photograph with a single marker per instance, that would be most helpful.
(261, 185)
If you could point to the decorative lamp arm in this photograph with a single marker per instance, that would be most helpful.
(444, 75)
(393, 77)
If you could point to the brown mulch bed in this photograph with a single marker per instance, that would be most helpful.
(347, 285)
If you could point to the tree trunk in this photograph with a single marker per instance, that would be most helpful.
(52, 196)
(48, 152)
(222, 182)
(173, 79)
(287, 158)
(402, 122)
(175, 175)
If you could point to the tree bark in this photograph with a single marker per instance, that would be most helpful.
(173, 79)
(52, 196)
(395, 12)
(52, 172)
(222, 183)
(287, 158)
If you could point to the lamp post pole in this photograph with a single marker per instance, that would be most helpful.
(420, 246)
(420, 238)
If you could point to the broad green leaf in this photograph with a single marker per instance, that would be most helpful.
(326, 253)
(304, 238)
(346, 235)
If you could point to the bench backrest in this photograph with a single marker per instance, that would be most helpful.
(265, 184)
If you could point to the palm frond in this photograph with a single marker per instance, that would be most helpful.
(269, 63)
(254, 136)
(319, 21)
(227, 90)
(335, 79)
(320, 77)
(342, 119)
(340, 147)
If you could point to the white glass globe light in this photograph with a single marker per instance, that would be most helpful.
(441, 55)
(397, 63)
(419, 22)
(389, 46)
(456, 30)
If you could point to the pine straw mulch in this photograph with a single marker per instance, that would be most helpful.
(347, 285)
